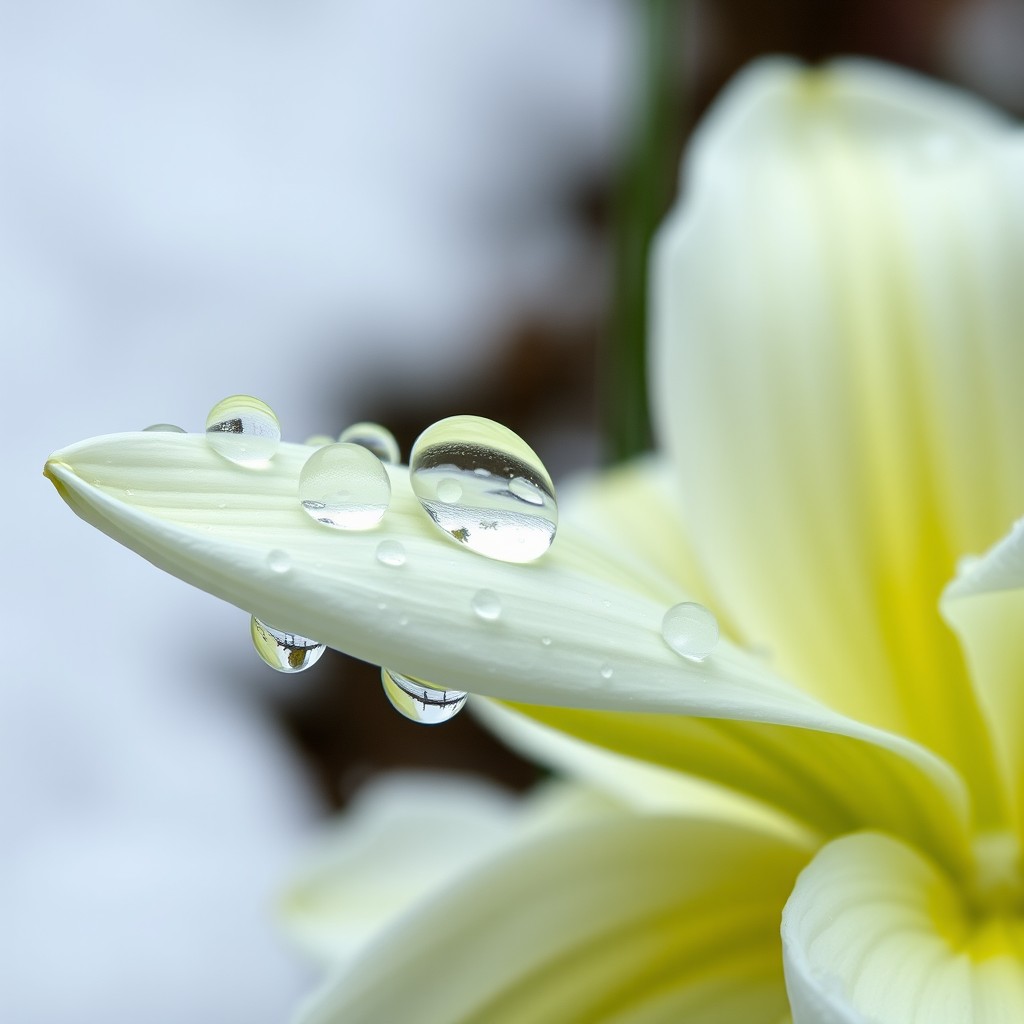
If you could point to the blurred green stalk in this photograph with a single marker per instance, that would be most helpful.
(643, 196)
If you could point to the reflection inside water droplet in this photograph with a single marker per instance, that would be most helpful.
(485, 488)
(374, 438)
(243, 430)
(690, 629)
(345, 486)
(285, 652)
(426, 705)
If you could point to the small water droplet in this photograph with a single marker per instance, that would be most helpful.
(278, 560)
(690, 629)
(382, 606)
(285, 652)
(390, 552)
(487, 605)
(164, 428)
(403, 620)
(607, 671)
(426, 705)
(129, 491)
(376, 438)
(243, 430)
(345, 486)
(319, 440)
(546, 641)
(502, 504)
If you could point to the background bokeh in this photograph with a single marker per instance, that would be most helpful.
(367, 209)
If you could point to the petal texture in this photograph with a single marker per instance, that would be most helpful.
(837, 370)
(985, 605)
(230, 530)
(626, 919)
(875, 934)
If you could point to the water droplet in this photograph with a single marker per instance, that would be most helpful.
(487, 605)
(376, 438)
(345, 486)
(419, 702)
(390, 552)
(164, 428)
(690, 629)
(607, 671)
(546, 641)
(403, 620)
(319, 440)
(502, 504)
(278, 561)
(244, 430)
(285, 652)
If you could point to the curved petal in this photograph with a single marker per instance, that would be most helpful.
(985, 605)
(875, 932)
(837, 372)
(405, 835)
(625, 919)
(224, 528)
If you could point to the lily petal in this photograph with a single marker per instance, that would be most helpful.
(406, 834)
(225, 529)
(623, 919)
(875, 932)
(837, 313)
(985, 605)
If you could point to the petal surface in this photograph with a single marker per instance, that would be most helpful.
(628, 919)
(241, 535)
(985, 605)
(875, 934)
(837, 370)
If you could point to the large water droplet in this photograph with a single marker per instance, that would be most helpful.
(285, 652)
(390, 552)
(485, 487)
(376, 438)
(345, 486)
(164, 428)
(487, 605)
(690, 629)
(244, 430)
(420, 703)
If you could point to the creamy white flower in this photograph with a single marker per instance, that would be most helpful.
(837, 368)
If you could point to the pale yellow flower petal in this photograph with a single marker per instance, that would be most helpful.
(836, 367)
(231, 530)
(628, 919)
(405, 835)
(875, 933)
(985, 605)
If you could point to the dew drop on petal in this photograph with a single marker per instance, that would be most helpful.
(487, 605)
(607, 671)
(426, 705)
(278, 561)
(244, 430)
(345, 486)
(390, 552)
(376, 438)
(690, 629)
(485, 487)
(285, 652)
(546, 641)
(164, 428)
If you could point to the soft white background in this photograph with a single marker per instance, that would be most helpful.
(198, 199)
